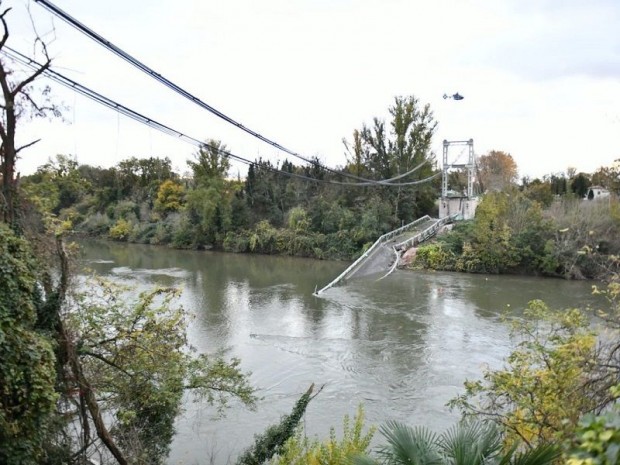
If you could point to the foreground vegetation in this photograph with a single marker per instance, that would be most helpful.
(92, 372)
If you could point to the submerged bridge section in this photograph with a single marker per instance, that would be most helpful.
(383, 256)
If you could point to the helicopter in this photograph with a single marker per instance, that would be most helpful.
(456, 96)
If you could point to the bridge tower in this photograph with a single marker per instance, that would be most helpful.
(463, 203)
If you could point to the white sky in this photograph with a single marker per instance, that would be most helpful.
(541, 78)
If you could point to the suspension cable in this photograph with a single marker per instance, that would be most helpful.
(105, 101)
(171, 85)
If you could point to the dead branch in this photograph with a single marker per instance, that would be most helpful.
(5, 33)
(30, 144)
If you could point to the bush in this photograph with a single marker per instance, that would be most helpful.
(434, 256)
(236, 242)
(121, 230)
(299, 450)
(97, 224)
(142, 233)
(597, 441)
(125, 209)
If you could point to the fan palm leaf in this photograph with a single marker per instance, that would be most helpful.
(409, 446)
(471, 443)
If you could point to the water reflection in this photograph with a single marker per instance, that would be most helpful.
(403, 346)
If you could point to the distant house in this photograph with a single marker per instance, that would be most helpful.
(597, 192)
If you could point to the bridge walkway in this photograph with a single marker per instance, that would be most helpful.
(383, 256)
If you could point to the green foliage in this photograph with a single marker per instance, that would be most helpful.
(97, 224)
(467, 443)
(121, 230)
(208, 212)
(271, 441)
(540, 192)
(125, 210)
(27, 362)
(298, 219)
(266, 239)
(509, 234)
(56, 185)
(170, 197)
(597, 440)
(142, 233)
(138, 179)
(135, 354)
(491, 249)
(386, 153)
(210, 163)
(580, 185)
(433, 256)
(300, 450)
(547, 383)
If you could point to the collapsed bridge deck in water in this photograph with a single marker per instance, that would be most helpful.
(383, 256)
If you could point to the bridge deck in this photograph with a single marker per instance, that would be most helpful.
(383, 255)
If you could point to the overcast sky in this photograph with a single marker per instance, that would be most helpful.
(541, 78)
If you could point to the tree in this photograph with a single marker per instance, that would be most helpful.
(355, 153)
(170, 197)
(580, 185)
(18, 101)
(540, 191)
(608, 177)
(93, 373)
(492, 248)
(211, 163)
(135, 364)
(208, 211)
(397, 151)
(497, 171)
(56, 185)
(550, 380)
(141, 177)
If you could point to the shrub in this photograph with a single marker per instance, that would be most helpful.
(433, 256)
(121, 230)
(125, 209)
(97, 224)
(300, 450)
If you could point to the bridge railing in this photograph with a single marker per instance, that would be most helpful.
(424, 235)
(384, 238)
(412, 241)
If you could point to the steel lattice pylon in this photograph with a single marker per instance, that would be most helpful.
(470, 165)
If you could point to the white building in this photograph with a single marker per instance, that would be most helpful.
(597, 192)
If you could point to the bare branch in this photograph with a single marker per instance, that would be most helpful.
(18, 88)
(30, 144)
(5, 33)
(106, 361)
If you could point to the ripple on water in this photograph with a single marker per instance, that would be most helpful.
(169, 272)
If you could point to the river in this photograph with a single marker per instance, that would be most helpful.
(402, 346)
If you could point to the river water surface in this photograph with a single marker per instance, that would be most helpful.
(402, 346)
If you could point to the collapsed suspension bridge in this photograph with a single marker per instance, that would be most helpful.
(384, 255)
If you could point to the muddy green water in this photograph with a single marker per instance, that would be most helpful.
(402, 346)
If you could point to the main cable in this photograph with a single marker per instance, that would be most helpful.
(105, 101)
(171, 85)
